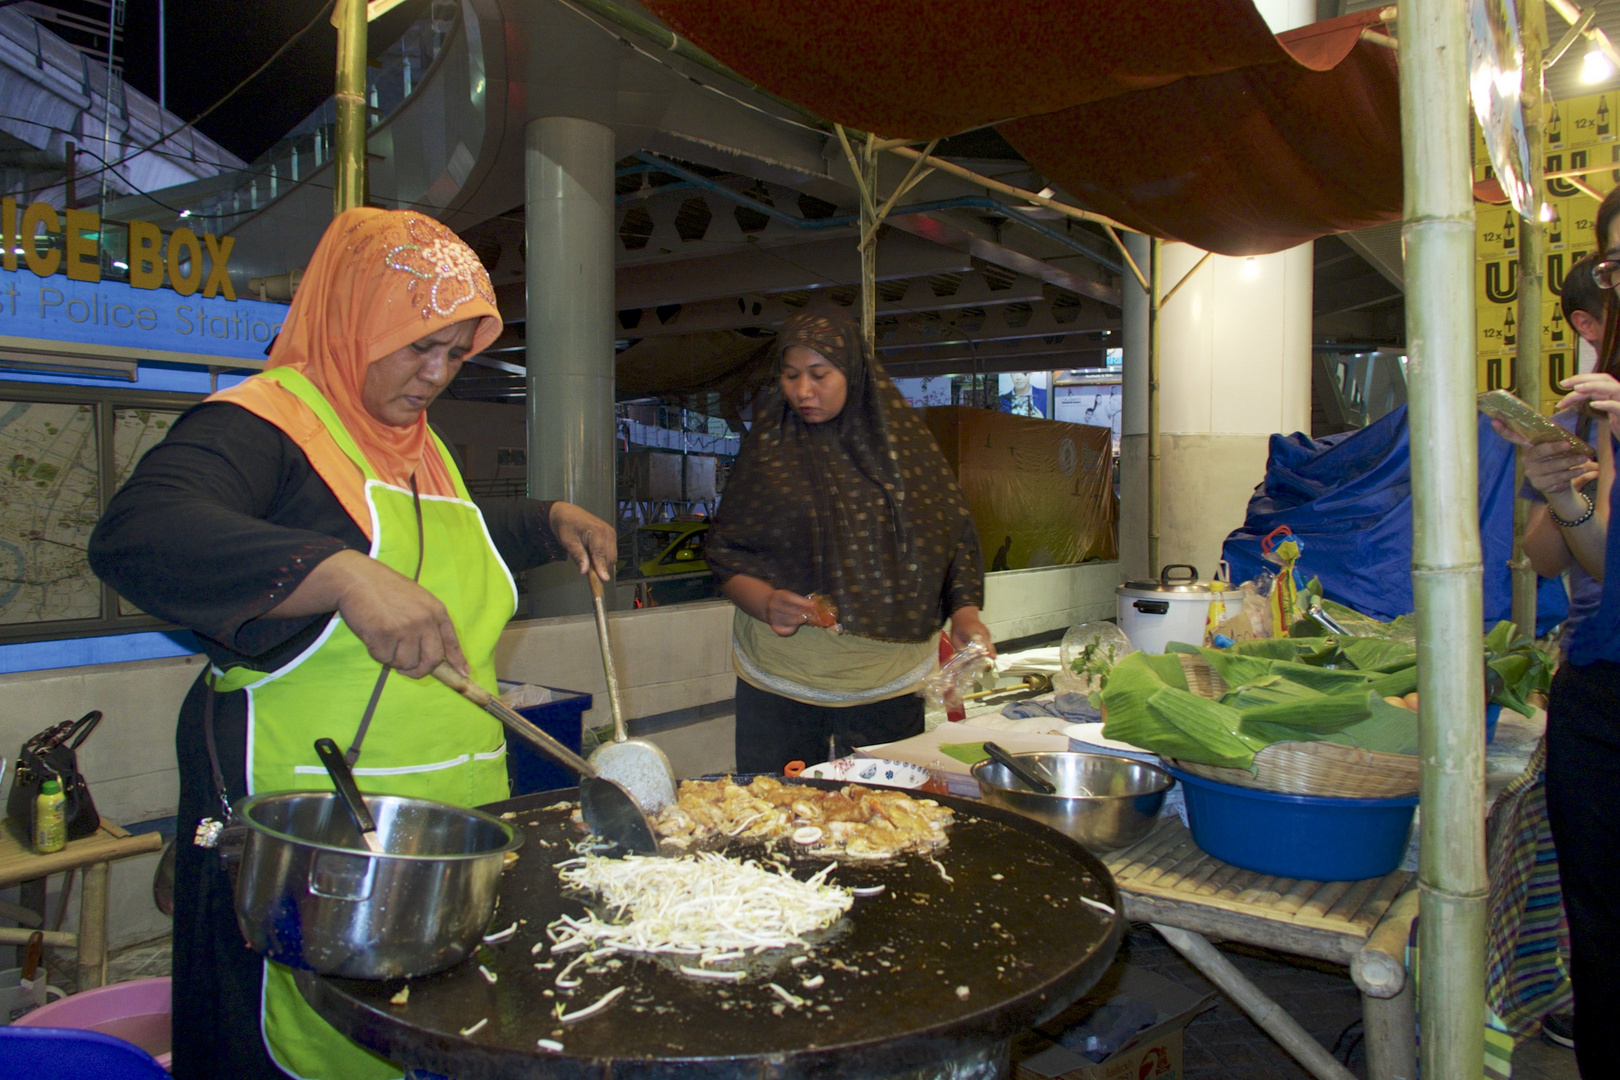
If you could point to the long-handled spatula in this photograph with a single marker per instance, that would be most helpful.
(609, 809)
(636, 763)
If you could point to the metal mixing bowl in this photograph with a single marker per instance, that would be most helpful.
(307, 898)
(1105, 802)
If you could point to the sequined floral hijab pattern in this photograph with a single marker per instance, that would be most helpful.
(862, 507)
(378, 281)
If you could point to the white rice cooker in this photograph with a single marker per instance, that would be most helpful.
(1173, 608)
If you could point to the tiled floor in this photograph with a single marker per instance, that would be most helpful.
(1221, 1044)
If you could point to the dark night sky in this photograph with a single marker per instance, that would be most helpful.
(214, 44)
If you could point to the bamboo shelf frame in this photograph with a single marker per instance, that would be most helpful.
(1166, 878)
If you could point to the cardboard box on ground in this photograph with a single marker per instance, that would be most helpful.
(1154, 1053)
(1041, 491)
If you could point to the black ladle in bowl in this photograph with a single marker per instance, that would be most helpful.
(1020, 770)
(349, 793)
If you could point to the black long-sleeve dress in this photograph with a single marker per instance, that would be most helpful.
(218, 524)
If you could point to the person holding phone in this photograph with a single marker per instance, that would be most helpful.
(1583, 740)
(1566, 531)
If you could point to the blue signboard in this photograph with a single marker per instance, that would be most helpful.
(111, 313)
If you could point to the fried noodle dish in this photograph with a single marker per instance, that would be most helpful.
(854, 821)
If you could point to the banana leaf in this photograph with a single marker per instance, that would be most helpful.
(1234, 669)
(1201, 730)
(1322, 680)
(1320, 714)
(1378, 654)
(1388, 728)
(1396, 683)
(1141, 707)
(1523, 667)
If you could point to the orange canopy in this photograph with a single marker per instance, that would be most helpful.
(1184, 119)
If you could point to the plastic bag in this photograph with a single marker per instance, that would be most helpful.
(970, 670)
(1088, 652)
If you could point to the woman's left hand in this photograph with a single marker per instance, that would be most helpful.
(590, 541)
(965, 626)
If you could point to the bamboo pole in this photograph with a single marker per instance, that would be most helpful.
(1266, 1014)
(349, 144)
(870, 219)
(1527, 365)
(914, 176)
(991, 184)
(1154, 474)
(1446, 572)
(1197, 266)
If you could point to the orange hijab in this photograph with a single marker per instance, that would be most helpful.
(379, 280)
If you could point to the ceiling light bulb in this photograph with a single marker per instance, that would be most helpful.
(1595, 67)
(1047, 192)
(185, 213)
(1549, 213)
(1251, 267)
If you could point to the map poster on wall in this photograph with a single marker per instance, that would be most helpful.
(50, 499)
(1581, 134)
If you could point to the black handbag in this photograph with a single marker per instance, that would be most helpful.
(53, 755)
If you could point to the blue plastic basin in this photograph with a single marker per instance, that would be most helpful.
(1306, 837)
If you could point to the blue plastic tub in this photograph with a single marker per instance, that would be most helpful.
(1306, 837)
(1493, 712)
(528, 769)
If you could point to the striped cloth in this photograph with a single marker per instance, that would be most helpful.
(1526, 971)
(1526, 974)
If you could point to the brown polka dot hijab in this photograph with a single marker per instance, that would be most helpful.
(862, 507)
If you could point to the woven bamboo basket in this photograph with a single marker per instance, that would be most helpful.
(1325, 769)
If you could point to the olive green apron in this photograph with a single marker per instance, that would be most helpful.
(424, 739)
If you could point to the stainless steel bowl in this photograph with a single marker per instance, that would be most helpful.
(1105, 802)
(307, 898)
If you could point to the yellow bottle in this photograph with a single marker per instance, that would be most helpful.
(50, 824)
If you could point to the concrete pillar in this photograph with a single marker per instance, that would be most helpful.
(1235, 368)
(570, 247)
(1133, 512)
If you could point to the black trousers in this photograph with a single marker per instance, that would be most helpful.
(1583, 805)
(773, 730)
(217, 979)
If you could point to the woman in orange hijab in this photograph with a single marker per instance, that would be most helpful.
(316, 535)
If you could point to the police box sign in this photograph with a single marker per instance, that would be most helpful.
(51, 288)
(79, 252)
(113, 313)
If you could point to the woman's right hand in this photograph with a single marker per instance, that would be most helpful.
(787, 611)
(1554, 467)
(402, 625)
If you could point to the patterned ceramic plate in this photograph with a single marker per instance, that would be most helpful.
(859, 770)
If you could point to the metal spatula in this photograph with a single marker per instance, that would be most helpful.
(639, 765)
(610, 810)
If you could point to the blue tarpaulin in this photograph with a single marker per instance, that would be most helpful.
(1349, 499)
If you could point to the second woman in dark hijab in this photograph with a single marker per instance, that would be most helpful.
(840, 500)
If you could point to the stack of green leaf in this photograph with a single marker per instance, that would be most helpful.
(1295, 689)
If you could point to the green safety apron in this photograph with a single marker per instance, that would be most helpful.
(424, 741)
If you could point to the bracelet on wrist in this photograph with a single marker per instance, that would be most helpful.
(1591, 508)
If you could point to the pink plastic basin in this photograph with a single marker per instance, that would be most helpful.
(138, 1012)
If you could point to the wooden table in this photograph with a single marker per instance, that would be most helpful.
(19, 863)
(1189, 896)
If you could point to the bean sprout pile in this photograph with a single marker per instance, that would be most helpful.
(698, 905)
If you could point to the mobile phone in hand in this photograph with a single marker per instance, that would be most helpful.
(1527, 423)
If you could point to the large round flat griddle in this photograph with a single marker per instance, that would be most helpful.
(1027, 924)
